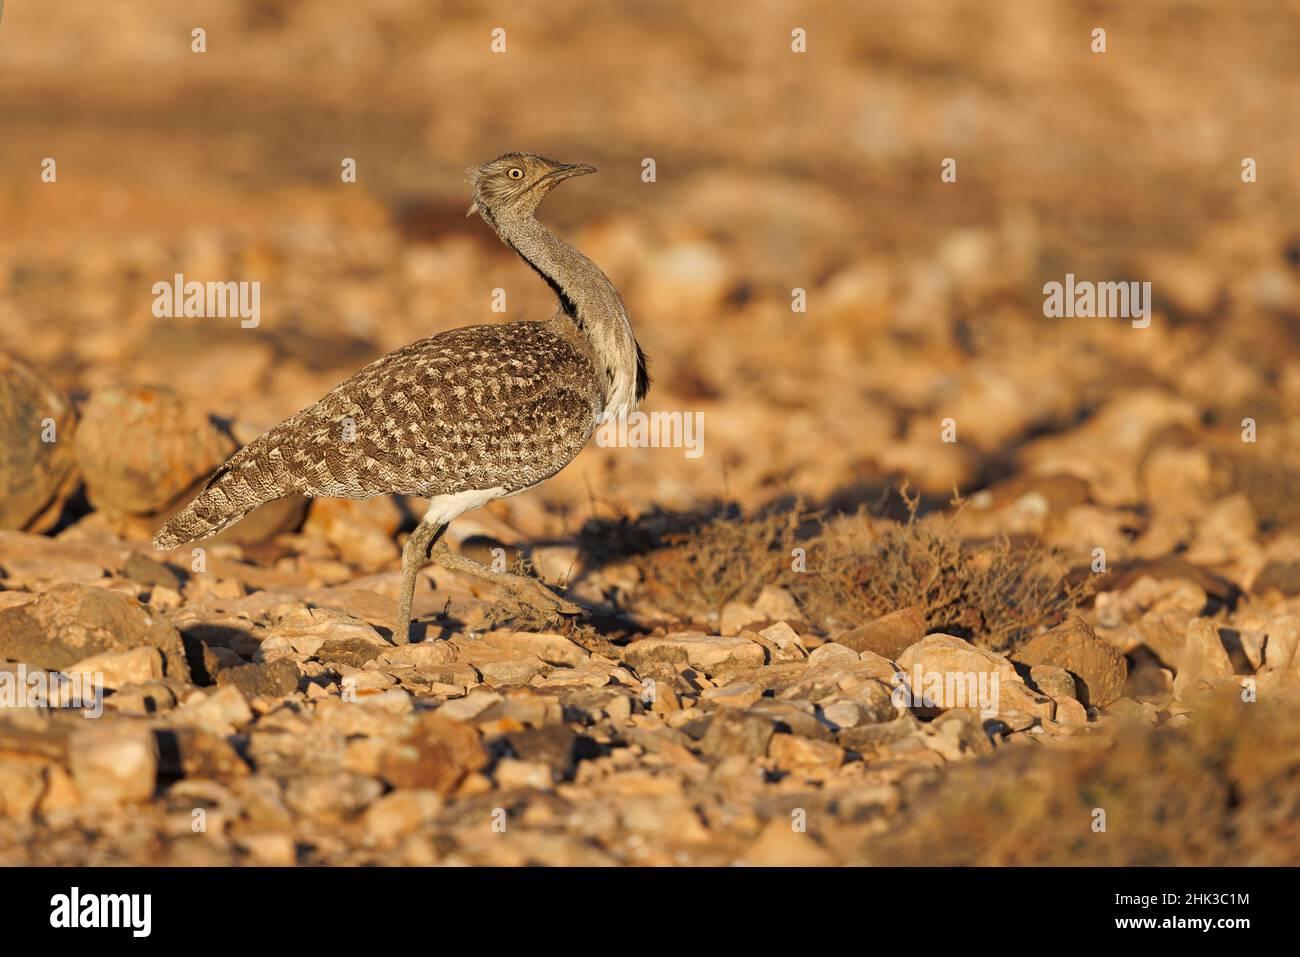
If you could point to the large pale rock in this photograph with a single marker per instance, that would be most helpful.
(72, 622)
(947, 672)
(173, 443)
(948, 653)
(1074, 646)
(36, 476)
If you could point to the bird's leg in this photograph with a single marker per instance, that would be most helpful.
(529, 591)
(413, 556)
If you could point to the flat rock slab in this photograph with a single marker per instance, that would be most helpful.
(709, 653)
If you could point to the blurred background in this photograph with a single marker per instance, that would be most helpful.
(775, 171)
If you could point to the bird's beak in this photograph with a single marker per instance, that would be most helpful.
(568, 170)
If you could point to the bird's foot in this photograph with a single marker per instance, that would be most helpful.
(534, 594)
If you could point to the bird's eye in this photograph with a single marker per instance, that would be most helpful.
(515, 173)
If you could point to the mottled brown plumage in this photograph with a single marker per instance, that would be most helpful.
(463, 417)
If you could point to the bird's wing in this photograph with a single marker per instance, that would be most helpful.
(473, 408)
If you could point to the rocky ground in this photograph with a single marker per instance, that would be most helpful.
(919, 478)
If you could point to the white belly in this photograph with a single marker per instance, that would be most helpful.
(443, 508)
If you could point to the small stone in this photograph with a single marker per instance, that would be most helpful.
(556, 746)
(796, 751)
(734, 733)
(352, 652)
(1070, 712)
(269, 848)
(164, 599)
(1019, 697)
(147, 571)
(1203, 659)
(309, 630)
(736, 616)
(220, 712)
(271, 680)
(737, 694)
(114, 763)
(1283, 641)
(842, 714)
(1074, 646)
(332, 796)
(833, 653)
(1282, 577)
(401, 812)
(424, 656)
(195, 753)
(777, 604)
(513, 774)
(889, 635)
(1056, 683)
(438, 755)
(471, 706)
(790, 646)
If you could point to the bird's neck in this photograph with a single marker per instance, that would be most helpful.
(587, 299)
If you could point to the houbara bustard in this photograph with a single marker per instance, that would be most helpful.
(462, 418)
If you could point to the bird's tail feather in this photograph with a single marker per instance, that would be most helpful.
(226, 497)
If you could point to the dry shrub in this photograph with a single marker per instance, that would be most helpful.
(858, 568)
(993, 593)
(1225, 791)
(730, 558)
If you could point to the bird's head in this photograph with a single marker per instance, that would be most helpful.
(515, 183)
